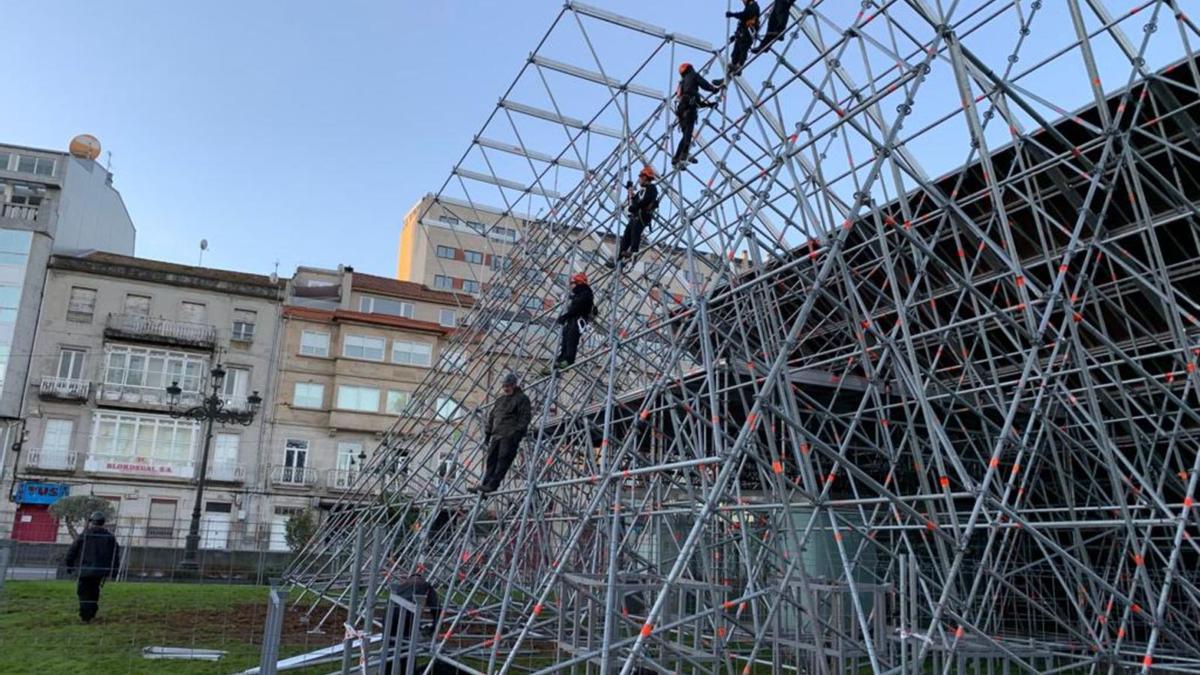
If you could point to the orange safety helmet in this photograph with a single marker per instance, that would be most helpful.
(684, 67)
(579, 278)
(647, 172)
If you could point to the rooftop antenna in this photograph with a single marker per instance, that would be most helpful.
(108, 161)
(203, 248)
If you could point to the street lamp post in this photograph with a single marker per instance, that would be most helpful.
(211, 409)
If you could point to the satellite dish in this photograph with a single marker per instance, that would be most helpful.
(85, 146)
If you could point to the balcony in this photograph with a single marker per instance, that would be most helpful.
(64, 388)
(139, 328)
(50, 460)
(291, 476)
(23, 212)
(341, 479)
(226, 472)
(132, 396)
(142, 467)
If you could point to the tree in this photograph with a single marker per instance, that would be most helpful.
(75, 511)
(300, 529)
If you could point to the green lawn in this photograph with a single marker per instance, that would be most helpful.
(40, 631)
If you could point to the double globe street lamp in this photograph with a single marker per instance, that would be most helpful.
(213, 408)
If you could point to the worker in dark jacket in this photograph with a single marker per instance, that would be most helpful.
(777, 22)
(402, 628)
(95, 556)
(687, 109)
(642, 205)
(506, 426)
(743, 35)
(574, 317)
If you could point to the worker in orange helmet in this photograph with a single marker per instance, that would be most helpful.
(577, 314)
(643, 202)
(687, 107)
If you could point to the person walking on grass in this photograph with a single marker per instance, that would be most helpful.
(94, 556)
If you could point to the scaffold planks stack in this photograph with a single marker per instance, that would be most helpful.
(904, 381)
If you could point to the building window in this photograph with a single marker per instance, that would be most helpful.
(243, 325)
(397, 401)
(531, 302)
(375, 305)
(236, 387)
(137, 304)
(443, 282)
(449, 220)
(42, 166)
(470, 286)
(448, 409)
(475, 226)
(146, 445)
(453, 361)
(134, 371)
(363, 347)
(193, 312)
(70, 363)
(505, 233)
(56, 445)
(361, 399)
(500, 262)
(4, 159)
(225, 457)
(412, 353)
(446, 252)
(308, 395)
(295, 458)
(448, 318)
(81, 306)
(161, 523)
(473, 257)
(314, 343)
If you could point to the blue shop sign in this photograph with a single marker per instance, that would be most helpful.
(31, 492)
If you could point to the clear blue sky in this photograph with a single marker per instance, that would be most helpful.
(287, 130)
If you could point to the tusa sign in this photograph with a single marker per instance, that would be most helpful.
(30, 492)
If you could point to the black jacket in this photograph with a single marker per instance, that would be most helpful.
(510, 415)
(689, 88)
(95, 553)
(643, 204)
(580, 305)
(781, 15)
(747, 18)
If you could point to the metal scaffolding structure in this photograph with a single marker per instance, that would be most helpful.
(905, 381)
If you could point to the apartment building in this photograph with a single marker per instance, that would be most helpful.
(114, 332)
(354, 348)
(50, 202)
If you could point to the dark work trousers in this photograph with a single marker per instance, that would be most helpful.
(687, 116)
(570, 341)
(742, 40)
(500, 455)
(631, 240)
(88, 590)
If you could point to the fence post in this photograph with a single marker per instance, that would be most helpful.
(4, 553)
(271, 632)
(373, 580)
(352, 608)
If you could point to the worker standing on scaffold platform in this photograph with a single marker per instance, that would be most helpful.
(506, 426)
(777, 22)
(686, 110)
(642, 205)
(743, 36)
